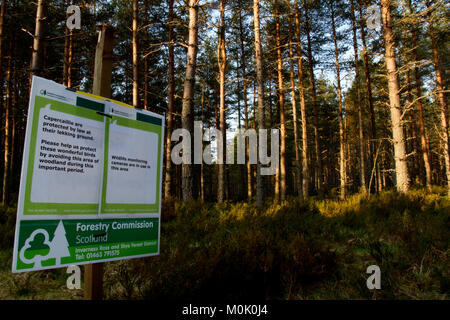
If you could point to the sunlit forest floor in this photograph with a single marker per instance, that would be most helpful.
(318, 249)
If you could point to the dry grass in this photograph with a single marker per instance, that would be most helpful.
(295, 250)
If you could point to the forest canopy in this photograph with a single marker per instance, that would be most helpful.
(357, 89)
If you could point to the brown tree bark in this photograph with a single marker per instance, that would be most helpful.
(135, 54)
(202, 171)
(423, 141)
(7, 127)
(368, 80)
(362, 160)
(260, 80)
(414, 148)
(298, 179)
(39, 41)
(222, 62)
(305, 161)
(244, 77)
(146, 58)
(318, 161)
(187, 113)
(2, 15)
(342, 165)
(68, 54)
(281, 106)
(401, 168)
(171, 106)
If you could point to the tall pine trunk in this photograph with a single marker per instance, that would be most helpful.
(244, 77)
(372, 126)
(187, 113)
(281, 106)
(342, 165)
(260, 80)
(318, 160)
(414, 146)
(362, 160)
(7, 127)
(135, 54)
(38, 42)
(401, 168)
(294, 113)
(305, 161)
(222, 61)
(423, 141)
(146, 58)
(68, 54)
(2, 16)
(171, 106)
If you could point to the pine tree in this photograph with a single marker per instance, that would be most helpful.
(294, 112)
(261, 111)
(38, 43)
(187, 116)
(135, 54)
(401, 169)
(59, 246)
(342, 165)
(222, 62)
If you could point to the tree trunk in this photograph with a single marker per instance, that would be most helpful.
(260, 80)
(202, 171)
(14, 121)
(373, 129)
(242, 169)
(2, 15)
(146, 64)
(401, 168)
(270, 182)
(281, 106)
(7, 128)
(342, 166)
(38, 43)
(359, 103)
(222, 61)
(171, 106)
(298, 179)
(440, 85)
(318, 161)
(68, 55)
(417, 165)
(187, 114)
(423, 141)
(135, 54)
(244, 77)
(305, 162)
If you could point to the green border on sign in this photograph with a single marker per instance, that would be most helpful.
(121, 208)
(33, 208)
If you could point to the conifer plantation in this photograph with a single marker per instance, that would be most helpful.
(359, 104)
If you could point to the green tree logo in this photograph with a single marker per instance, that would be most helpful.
(38, 247)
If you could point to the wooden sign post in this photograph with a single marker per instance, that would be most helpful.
(93, 273)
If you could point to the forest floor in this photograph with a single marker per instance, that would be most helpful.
(318, 249)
